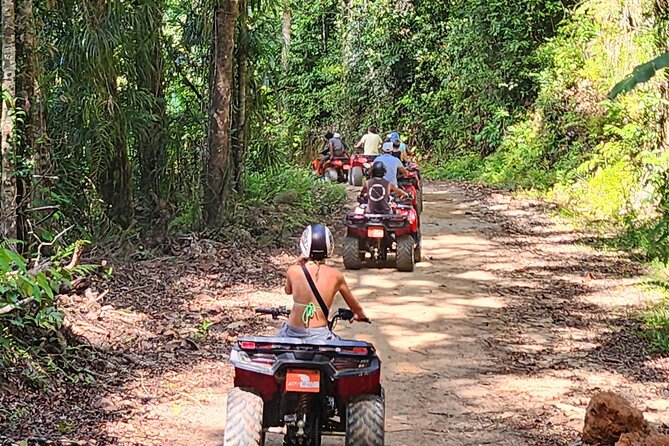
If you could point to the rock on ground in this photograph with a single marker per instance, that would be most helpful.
(608, 416)
(637, 439)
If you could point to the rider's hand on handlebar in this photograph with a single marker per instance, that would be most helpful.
(361, 317)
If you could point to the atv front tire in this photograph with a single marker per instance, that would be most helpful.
(365, 421)
(331, 175)
(405, 253)
(243, 421)
(351, 254)
(356, 176)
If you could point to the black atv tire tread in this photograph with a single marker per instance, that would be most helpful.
(351, 253)
(405, 253)
(331, 175)
(418, 250)
(243, 420)
(356, 176)
(365, 421)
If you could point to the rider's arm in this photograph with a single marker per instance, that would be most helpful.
(289, 285)
(363, 192)
(360, 143)
(398, 191)
(403, 170)
(351, 301)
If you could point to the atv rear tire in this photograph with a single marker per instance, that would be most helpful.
(405, 253)
(243, 421)
(351, 254)
(365, 421)
(418, 250)
(356, 176)
(331, 175)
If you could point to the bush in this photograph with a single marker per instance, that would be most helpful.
(29, 319)
(277, 205)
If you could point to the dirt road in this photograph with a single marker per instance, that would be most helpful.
(500, 336)
(430, 332)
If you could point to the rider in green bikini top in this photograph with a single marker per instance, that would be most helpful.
(306, 315)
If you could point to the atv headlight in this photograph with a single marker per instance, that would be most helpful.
(367, 165)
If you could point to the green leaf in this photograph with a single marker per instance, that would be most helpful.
(641, 73)
(12, 256)
(43, 282)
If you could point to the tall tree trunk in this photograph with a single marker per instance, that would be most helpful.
(287, 35)
(36, 113)
(152, 145)
(8, 177)
(219, 172)
(662, 23)
(115, 179)
(662, 29)
(240, 127)
(31, 128)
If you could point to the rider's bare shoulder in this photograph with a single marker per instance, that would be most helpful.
(293, 269)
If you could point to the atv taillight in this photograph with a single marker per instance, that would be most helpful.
(250, 345)
(338, 163)
(356, 350)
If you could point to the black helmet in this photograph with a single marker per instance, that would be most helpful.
(317, 242)
(378, 169)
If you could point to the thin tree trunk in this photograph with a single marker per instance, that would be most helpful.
(115, 179)
(151, 146)
(240, 137)
(662, 23)
(287, 36)
(219, 172)
(8, 178)
(116, 186)
(43, 169)
(31, 128)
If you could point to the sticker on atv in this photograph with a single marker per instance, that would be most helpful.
(308, 381)
(375, 232)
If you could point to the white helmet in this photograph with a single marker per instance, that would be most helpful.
(336, 135)
(317, 242)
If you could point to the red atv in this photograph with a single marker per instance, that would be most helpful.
(374, 236)
(412, 185)
(360, 165)
(335, 169)
(311, 388)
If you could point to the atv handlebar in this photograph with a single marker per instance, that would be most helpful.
(274, 312)
(343, 314)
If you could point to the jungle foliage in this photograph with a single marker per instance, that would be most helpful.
(131, 119)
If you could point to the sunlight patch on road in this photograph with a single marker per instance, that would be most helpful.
(404, 339)
(479, 302)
